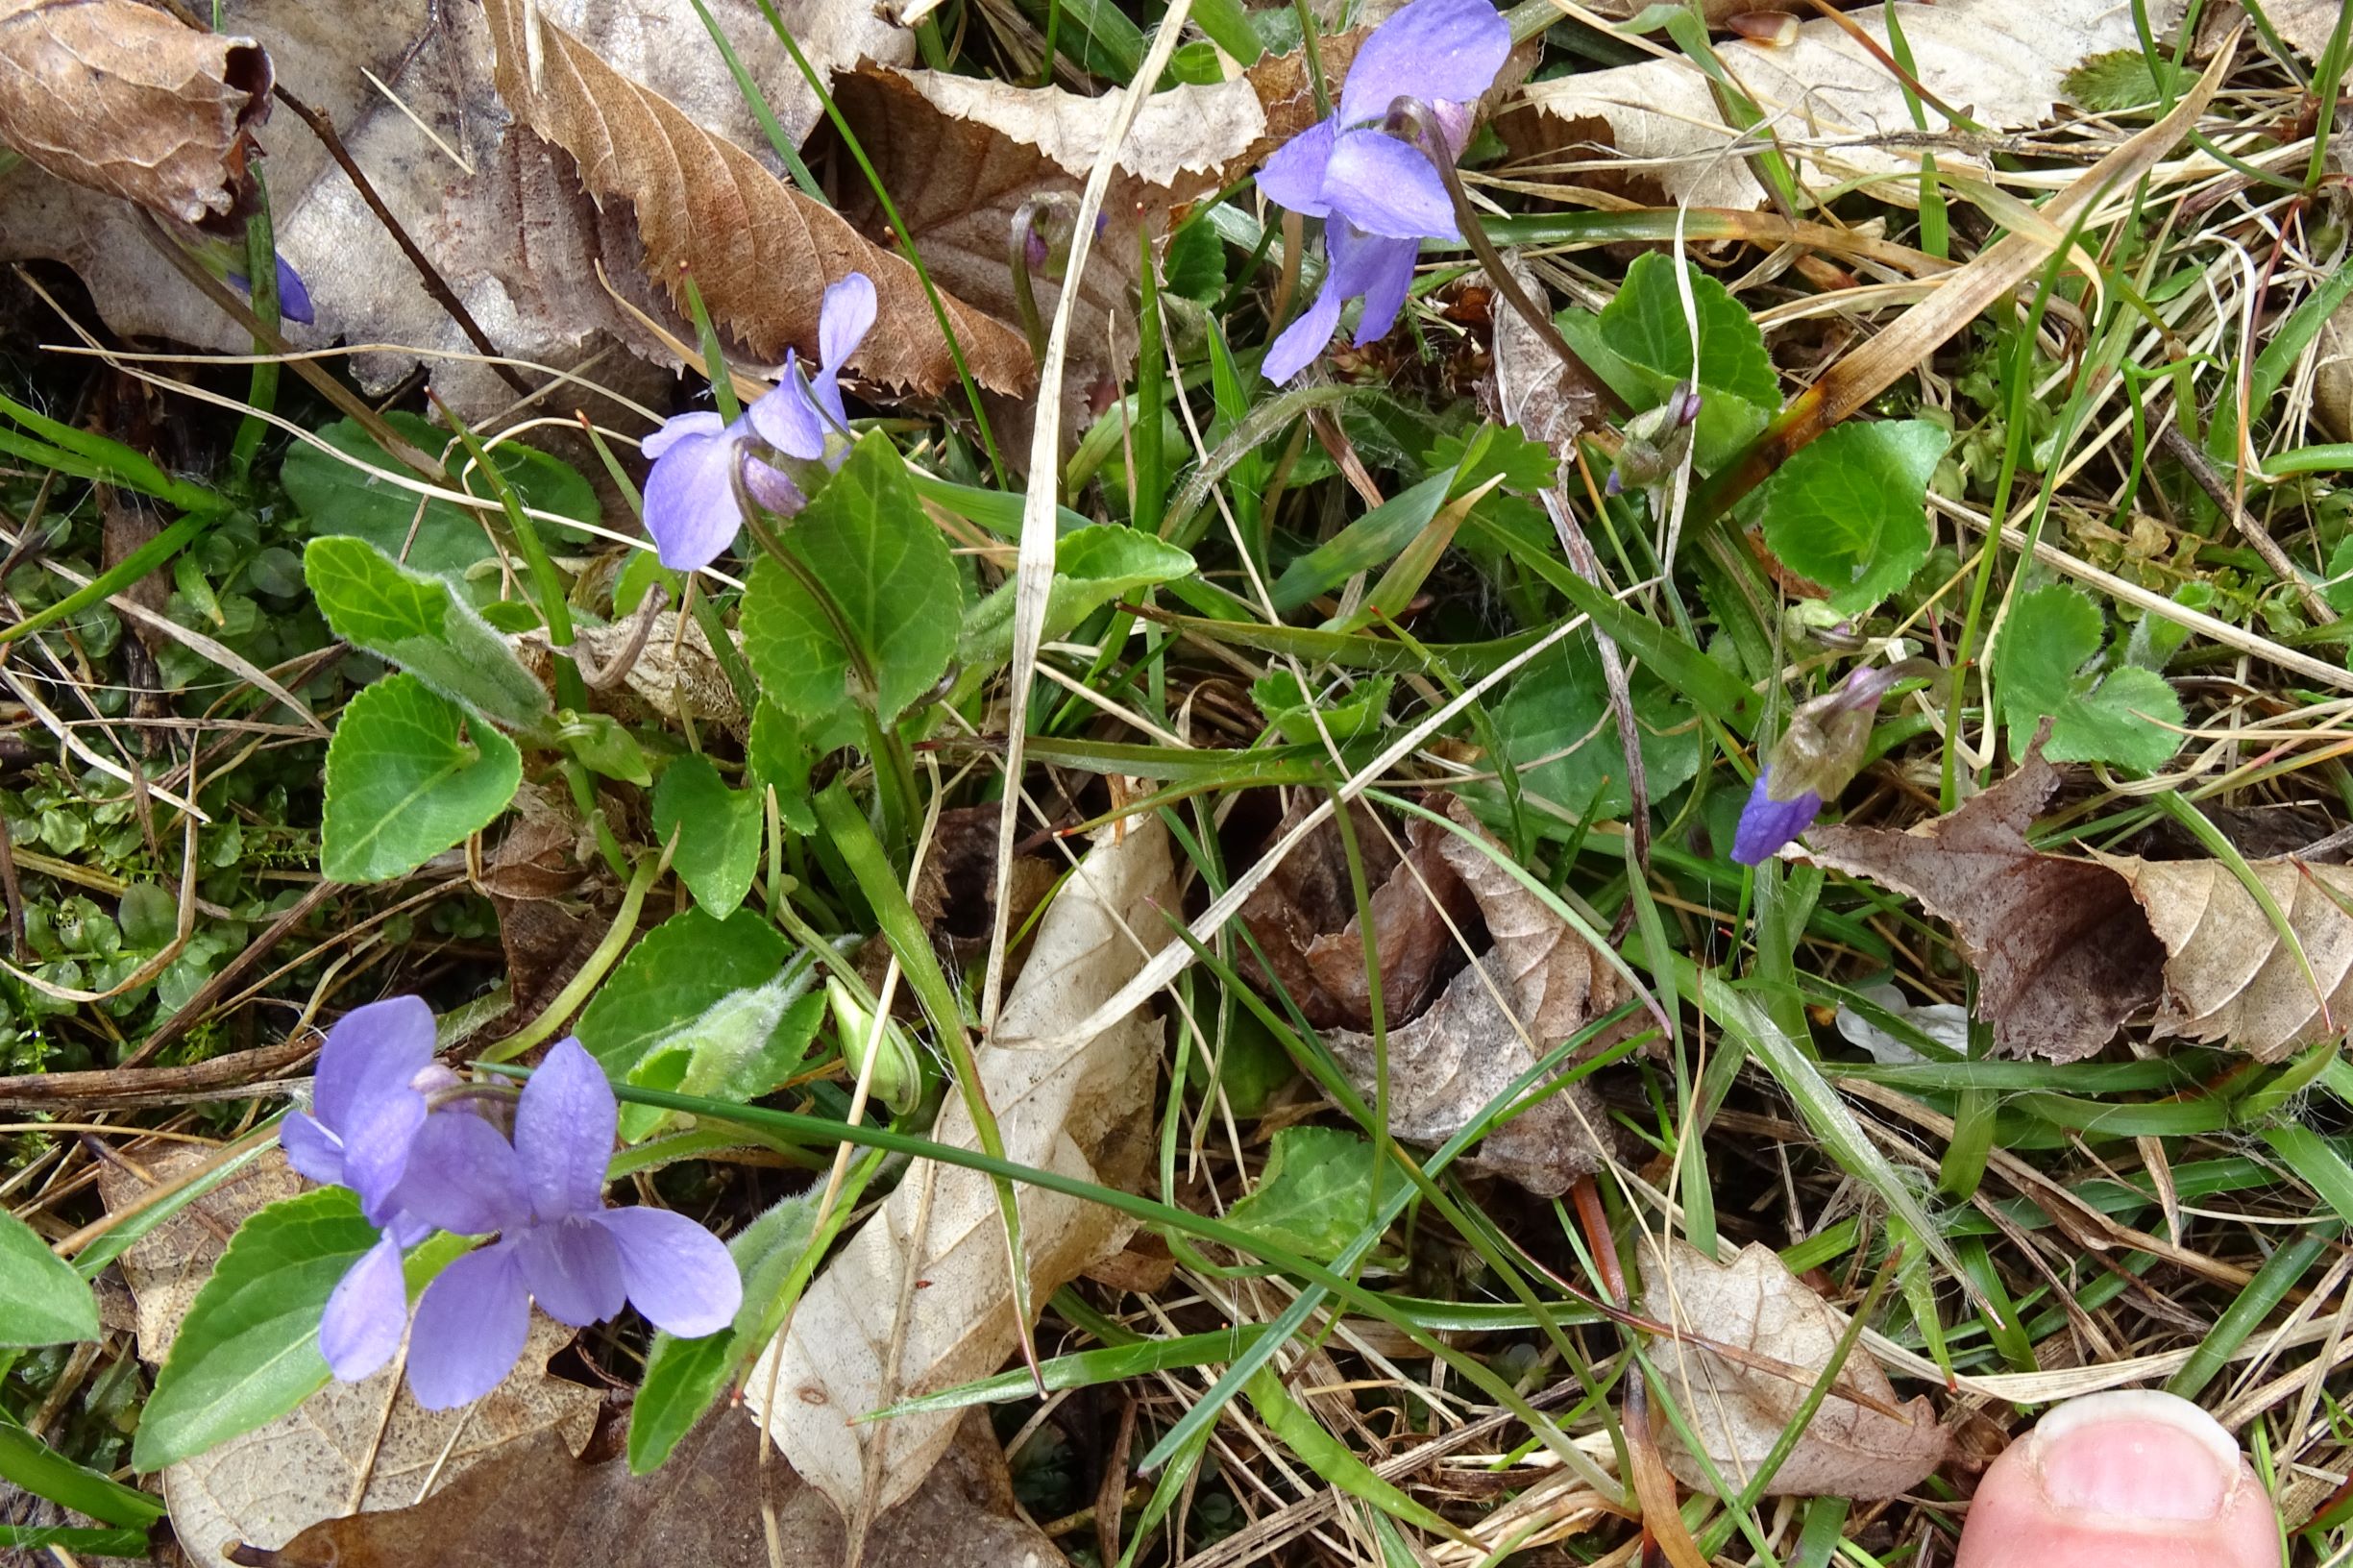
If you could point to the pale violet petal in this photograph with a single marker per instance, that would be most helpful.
(1293, 178)
(564, 1132)
(690, 500)
(464, 1177)
(372, 1050)
(573, 1270)
(1378, 268)
(1386, 187)
(843, 320)
(470, 1329)
(679, 1275)
(312, 1149)
(785, 417)
(365, 1316)
(1430, 49)
(677, 427)
(1305, 338)
(773, 488)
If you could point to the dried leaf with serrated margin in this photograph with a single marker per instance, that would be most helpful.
(1860, 1444)
(760, 252)
(120, 97)
(2063, 954)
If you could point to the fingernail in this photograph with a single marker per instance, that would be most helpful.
(2136, 1454)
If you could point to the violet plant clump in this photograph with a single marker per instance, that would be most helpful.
(417, 1169)
(1818, 755)
(691, 505)
(1377, 192)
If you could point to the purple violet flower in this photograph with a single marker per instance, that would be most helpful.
(1767, 823)
(690, 496)
(544, 1194)
(293, 298)
(1380, 193)
(367, 1107)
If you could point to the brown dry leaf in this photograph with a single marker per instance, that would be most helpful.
(500, 213)
(1079, 1111)
(168, 1267)
(122, 98)
(538, 1504)
(339, 1450)
(1532, 386)
(1304, 918)
(1739, 1410)
(761, 252)
(2228, 977)
(2305, 24)
(2063, 952)
(1539, 983)
(1835, 109)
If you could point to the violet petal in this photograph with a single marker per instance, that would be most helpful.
(372, 1052)
(364, 1317)
(293, 296)
(1386, 186)
(842, 322)
(1379, 268)
(1304, 339)
(464, 1177)
(573, 1269)
(690, 496)
(564, 1132)
(772, 488)
(312, 1149)
(1293, 177)
(1766, 823)
(678, 427)
(787, 419)
(1430, 49)
(678, 1274)
(470, 1329)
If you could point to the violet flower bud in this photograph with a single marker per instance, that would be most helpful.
(1817, 756)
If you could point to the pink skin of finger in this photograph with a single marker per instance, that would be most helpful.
(2129, 1479)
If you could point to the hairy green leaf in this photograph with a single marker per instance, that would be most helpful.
(677, 972)
(418, 621)
(408, 775)
(1315, 1194)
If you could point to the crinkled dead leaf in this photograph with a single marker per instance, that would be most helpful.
(1539, 983)
(1860, 1444)
(673, 674)
(1835, 108)
(122, 98)
(1532, 386)
(2063, 954)
(761, 252)
(536, 1504)
(499, 212)
(342, 1448)
(2228, 977)
(1304, 918)
(1079, 1111)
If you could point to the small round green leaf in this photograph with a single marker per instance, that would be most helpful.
(1851, 510)
(718, 832)
(1316, 1195)
(408, 775)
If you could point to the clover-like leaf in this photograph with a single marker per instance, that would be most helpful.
(2048, 664)
(1849, 510)
(408, 775)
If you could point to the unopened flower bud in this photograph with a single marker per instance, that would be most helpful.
(1657, 441)
(896, 1078)
(1818, 755)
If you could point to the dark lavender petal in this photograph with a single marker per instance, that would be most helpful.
(1305, 338)
(678, 1274)
(564, 1132)
(463, 1177)
(293, 298)
(1430, 49)
(573, 1269)
(470, 1328)
(1386, 186)
(1379, 268)
(690, 497)
(772, 488)
(678, 427)
(371, 1052)
(1293, 177)
(312, 1149)
(842, 322)
(786, 418)
(365, 1316)
(1766, 823)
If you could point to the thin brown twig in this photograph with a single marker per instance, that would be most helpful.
(324, 128)
(2184, 453)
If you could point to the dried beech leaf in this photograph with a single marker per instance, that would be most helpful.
(1832, 105)
(1539, 983)
(2228, 977)
(268, 1486)
(1738, 1410)
(761, 252)
(2305, 24)
(1079, 1111)
(122, 98)
(2064, 954)
(536, 1504)
(168, 1267)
